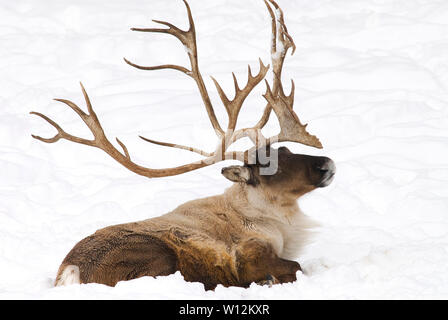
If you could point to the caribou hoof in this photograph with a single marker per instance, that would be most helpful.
(270, 280)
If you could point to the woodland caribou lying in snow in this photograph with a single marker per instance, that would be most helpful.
(247, 234)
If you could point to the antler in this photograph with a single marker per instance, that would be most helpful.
(291, 127)
(100, 141)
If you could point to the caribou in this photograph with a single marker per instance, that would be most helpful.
(252, 232)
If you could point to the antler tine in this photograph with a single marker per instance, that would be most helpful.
(125, 150)
(284, 32)
(92, 120)
(291, 94)
(164, 66)
(222, 95)
(178, 146)
(288, 98)
(190, 17)
(61, 133)
(273, 27)
(235, 83)
(172, 30)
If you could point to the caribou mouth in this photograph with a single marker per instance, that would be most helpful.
(326, 180)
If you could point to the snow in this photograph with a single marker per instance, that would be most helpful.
(371, 80)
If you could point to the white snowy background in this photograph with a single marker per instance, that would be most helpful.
(371, 79)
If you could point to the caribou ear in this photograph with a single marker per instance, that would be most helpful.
(237, 173)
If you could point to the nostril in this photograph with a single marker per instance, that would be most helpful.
(322, 170)
(326, 167)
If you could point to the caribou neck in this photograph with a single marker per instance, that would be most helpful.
(255, 202)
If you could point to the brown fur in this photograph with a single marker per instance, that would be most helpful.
(233, 239)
